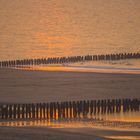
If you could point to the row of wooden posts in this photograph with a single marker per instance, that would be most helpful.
(67, 110)
(71, 59)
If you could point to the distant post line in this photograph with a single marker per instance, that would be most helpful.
(69, 59)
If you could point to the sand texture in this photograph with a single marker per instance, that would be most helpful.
(17, 86)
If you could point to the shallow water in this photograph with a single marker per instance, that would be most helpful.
(122, 66)
(115, 120)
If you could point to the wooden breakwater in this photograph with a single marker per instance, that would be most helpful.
(70, 59)
(67, 110)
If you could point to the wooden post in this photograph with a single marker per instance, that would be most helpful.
(124, 105)
(113, 106)
(6, 112)
(94, 106)
(108, 106)
(102, 106)
(33, 111)
(91, 108)
(59, 110)
(78, 108)
(74, 109)
(117, 105)
(47, 111)
(10, 111)
(2, 111)
(84, 109)
(81, 108)
(87, 107)
(70, 106)
(44, 110)
(15, 111)
(98, 106)
(51, 110)
(37, 111)
(40, 106)
(63, 109)
(67, 110)
(30, 111)
(18, 111)
(54, 110)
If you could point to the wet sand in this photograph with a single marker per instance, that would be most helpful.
(18, 86)
(42, 133)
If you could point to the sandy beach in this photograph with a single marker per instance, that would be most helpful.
(43, 133)
(20, 86)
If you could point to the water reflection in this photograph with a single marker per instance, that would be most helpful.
(82, 69)
(75, 123)
(122, 120)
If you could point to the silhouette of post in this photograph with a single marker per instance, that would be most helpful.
(33, 110)
(59, 111)
(70, 107)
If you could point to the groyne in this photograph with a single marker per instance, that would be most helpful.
(69, 59)
(68, 109)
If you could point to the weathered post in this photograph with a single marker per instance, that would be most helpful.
(18, 111)
(51, 110)
(120, 105)
(47, 111)
(91, 108)
(84, 109)
(26, 111)
(59, 110)
(124, 105)
(54, 110)
(74, 109)
(98, 106)
(10, 111)
(37, 110)
(87, 108)
(0, 111)
(63, 109)
(94, 106)
(102, 106)
(30, 111)
(22, 111)
(67, 110)
(15, 111)
(108, 106)
(44, 110)
(40, 106)
(33, 111)
(113, 105)
(6, 111)
(70, 108)
(78, 108)
(81, 108)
